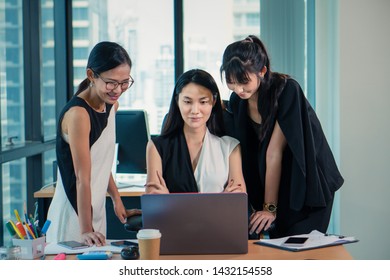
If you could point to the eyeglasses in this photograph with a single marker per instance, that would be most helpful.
(111, 85)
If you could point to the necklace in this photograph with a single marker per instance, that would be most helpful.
(101, 109)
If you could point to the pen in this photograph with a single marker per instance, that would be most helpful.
(33, 226)
(339, 236)
(25, 212)
(17, 216)
(29, 236)
(36, 211)
(38, 228)
(30, 231)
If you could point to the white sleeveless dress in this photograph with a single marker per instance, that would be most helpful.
(212, 172)
(64, 220)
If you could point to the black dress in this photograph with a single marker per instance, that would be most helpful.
(176, 163)
(309, 176)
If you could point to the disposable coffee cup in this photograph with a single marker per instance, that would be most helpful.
(149, 244)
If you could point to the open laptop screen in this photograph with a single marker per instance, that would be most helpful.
(198, 223)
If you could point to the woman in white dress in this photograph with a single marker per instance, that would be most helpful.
(85, 150)
(191, 154)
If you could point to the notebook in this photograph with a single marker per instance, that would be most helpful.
(315, 239)
(198, 223)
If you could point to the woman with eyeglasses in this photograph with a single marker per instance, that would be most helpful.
(289, 169)
(85, 150)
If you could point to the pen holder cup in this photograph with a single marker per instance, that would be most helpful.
(31, 248)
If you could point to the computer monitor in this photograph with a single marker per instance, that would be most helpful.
(132, 136)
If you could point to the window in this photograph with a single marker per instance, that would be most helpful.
(80, 13)
(28, 101)
(80, 34)
(253, 19)
(80, 53)
(12, 105)
(206, 39)
(145, 30)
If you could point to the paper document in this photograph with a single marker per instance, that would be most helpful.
(131, 181)
(316, 239)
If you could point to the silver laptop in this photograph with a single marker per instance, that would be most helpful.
(198, 223)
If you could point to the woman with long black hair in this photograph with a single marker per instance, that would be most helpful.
(288, 166)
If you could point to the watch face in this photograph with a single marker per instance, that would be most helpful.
(272, 208)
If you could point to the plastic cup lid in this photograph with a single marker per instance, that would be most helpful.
(148, 233)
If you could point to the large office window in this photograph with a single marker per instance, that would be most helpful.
(205, 38)
(13, 179)
(28, 101)
(145, 30)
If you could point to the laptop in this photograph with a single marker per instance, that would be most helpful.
(198, 223)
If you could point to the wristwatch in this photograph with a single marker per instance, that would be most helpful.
(270, 207)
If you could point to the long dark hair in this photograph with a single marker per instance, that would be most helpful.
(103, 57)
(250, 56)
(174, 122)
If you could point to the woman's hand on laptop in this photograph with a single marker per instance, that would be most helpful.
(157, 188)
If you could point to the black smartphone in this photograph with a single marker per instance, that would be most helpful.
(295, 241)
(73, 245)
(123, 243)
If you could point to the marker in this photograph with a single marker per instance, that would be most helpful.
(45, 227)
(60, 256)
(16, 229)
(21, 229)
(11, 230)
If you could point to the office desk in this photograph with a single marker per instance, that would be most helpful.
(257, 252)
(130, 198)
(115, 230)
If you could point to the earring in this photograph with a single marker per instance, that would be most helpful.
(91, 84)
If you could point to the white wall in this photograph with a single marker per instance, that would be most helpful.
(364, 52)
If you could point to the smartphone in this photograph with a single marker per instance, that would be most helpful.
(295, 241)
(73, 245)
(123, 243)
